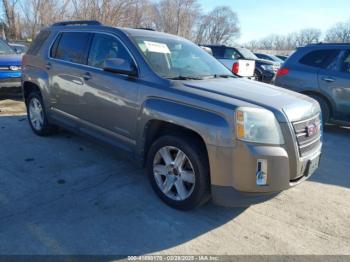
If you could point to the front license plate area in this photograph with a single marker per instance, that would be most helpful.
(311, 166)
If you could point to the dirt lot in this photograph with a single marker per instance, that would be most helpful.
(67, 195)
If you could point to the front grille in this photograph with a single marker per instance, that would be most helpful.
(308, 134)
(4, 68)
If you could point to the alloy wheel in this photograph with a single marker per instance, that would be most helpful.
(36, 114)
(174, 173)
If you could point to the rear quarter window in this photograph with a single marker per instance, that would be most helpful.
(71, 47)
(319, 58)
(38, 42)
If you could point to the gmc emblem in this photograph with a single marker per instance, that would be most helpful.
(311, 130)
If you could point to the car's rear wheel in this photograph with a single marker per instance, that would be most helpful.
(37, 115)
(326, 111)
(179, 172)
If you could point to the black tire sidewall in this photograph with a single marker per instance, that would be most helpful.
(200, 166)
(324, 108)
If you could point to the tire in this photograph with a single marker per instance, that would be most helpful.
(326, 111)
(258, 76)
(37, 115)
(196, 184)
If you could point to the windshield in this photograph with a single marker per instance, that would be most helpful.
(5, 48)
(179, 59)
(247, 54)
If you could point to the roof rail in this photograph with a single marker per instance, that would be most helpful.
(145, 28)
(78, 22)
(322, 43)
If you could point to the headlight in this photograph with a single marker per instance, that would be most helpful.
(258, 126)
(267, 67)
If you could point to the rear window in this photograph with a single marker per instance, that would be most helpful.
(38, 42)
(231, 53)
(319, 58)
(218, 52)
(71, 47)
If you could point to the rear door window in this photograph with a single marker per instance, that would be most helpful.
(72, 47)
(319, 58)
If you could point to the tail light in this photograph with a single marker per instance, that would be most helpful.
(235, 68)
(282, 71)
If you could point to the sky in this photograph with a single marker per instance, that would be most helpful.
(260, 18)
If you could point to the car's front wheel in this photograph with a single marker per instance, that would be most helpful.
(37, 115)
(179, 171)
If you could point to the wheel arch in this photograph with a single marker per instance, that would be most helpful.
(28, 87)
(330, 104)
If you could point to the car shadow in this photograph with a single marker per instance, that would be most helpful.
(335, 160)
(16, 96)
(65, 194)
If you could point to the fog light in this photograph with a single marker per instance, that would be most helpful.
(261, 172)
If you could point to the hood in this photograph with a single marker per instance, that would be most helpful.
(10, 59)
(278, 100)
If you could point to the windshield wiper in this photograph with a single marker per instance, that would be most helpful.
(185, 78)
(224, 76)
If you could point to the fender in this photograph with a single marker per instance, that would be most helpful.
(38, 77)
(211, 126)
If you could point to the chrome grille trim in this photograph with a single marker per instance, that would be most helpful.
(305, 143)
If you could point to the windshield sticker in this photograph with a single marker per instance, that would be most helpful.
(157, 47)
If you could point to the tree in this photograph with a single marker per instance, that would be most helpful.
(11, 17)
(176, 16)
(41, 13)
(220, 26)
(308, 36)
(339, 33)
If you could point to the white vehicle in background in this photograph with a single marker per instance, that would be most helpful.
(241, 67)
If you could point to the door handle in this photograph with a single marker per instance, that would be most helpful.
(328, 79)
(87, 76)
(48, 66)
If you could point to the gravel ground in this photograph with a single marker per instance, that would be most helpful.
(68, 195)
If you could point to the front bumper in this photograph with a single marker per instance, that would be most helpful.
(235, 184)
(10, 79)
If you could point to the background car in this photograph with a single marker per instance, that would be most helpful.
(240, 67)
(18, 48)
(10, 67)
(282, 57)
(265, 70)
(321, 71)
(269, 57)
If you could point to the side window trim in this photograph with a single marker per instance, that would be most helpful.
(89, 48)
(53, 48)
(344, 54)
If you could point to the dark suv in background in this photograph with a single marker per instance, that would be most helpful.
(265, 70)
(321, 71)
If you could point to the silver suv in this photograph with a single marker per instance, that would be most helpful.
(321, 71)
(200, 131)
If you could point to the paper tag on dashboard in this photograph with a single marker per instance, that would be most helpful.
(157, 47)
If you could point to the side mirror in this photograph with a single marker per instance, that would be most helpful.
(120, 66)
